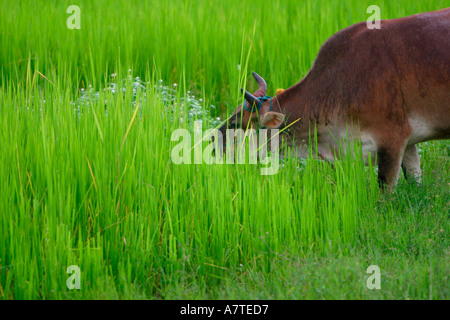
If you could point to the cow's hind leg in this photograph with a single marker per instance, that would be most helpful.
(411, 164)
(389, 161)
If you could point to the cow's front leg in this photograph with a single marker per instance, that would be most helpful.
(389, 161)
(411, 164)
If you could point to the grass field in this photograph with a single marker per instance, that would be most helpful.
(81, 186)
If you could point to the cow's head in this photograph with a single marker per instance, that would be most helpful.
(255, 112)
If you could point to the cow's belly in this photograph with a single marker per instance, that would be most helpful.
(423, 130)
(420, 130)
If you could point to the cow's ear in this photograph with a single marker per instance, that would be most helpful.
(272, 119)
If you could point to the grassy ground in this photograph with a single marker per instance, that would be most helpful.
(81, 186)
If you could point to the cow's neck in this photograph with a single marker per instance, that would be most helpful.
(294, 104)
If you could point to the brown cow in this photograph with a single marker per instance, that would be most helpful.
(392, 82)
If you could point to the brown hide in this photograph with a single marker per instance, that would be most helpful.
(392, 81)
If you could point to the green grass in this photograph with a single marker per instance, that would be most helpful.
(100, 190)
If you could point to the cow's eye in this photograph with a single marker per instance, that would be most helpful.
(234, 124)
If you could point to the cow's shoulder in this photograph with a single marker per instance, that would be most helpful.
(340, 43)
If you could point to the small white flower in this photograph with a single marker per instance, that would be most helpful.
(175, 85)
